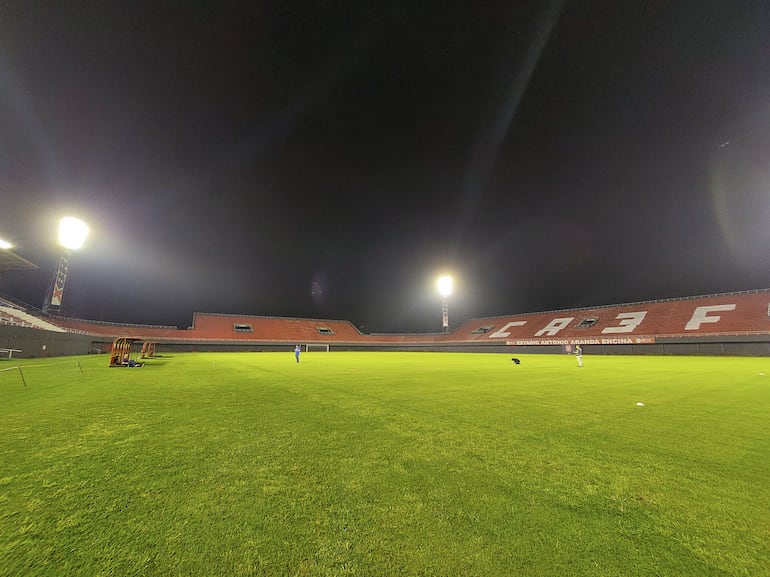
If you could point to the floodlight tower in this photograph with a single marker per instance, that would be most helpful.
(4, 245)
(445, 289)
(72, 234)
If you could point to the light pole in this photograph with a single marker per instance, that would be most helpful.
(72, 234)
(445, 289)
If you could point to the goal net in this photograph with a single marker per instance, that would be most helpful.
(317, 348)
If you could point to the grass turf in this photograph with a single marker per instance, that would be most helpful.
(385, 464)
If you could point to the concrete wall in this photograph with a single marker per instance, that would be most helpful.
(31, 342)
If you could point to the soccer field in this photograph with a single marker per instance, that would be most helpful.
(385, 464)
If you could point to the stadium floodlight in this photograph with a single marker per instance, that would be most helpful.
(72, 235)
(445, 286)
(5, 245)
(445, 289)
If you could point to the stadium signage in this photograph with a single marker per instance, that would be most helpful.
(598, 341)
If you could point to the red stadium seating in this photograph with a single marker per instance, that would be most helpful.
(734, 314)
(720, 315)
(267, 329)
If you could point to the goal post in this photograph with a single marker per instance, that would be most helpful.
(313, 348)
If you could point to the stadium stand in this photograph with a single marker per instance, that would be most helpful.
(237, 327)
(735, 314)
(7, 302)
(730, 314)
(15, 316)
(716, 318)
(114, 330)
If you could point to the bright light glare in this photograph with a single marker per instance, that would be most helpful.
(5, 245)
(72, 232)
(445, 286)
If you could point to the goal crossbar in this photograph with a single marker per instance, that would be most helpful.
(310, 348)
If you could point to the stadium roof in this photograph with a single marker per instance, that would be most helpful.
(12, 261)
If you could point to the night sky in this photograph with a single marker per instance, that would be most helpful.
(329, 159)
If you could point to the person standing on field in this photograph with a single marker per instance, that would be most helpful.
(579, 355)
(297, 350)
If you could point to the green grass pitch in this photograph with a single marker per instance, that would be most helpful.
(385, 464)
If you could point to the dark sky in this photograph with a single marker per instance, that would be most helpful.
(235, 156)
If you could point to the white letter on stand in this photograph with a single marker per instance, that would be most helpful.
(632, 320)
(701, 316)
(554, 326)
(500, 334)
